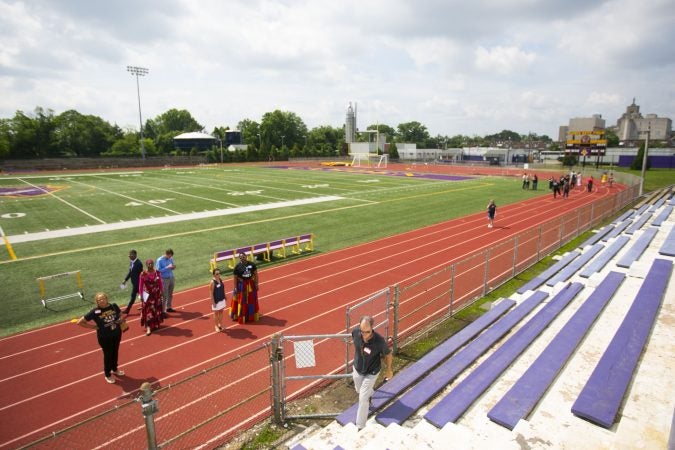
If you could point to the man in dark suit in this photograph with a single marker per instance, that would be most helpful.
(135, 269)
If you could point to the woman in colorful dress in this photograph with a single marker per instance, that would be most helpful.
(150, 287)
(217, 291)
(244, 306)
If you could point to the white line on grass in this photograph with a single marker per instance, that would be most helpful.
(64, 201)
(124, 196)
(163, 220)
(178, 193)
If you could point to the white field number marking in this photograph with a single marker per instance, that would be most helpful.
(13, 215)
(152, 202)
(315, 186)
(244, 193)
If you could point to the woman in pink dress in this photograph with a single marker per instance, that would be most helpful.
(150, 289)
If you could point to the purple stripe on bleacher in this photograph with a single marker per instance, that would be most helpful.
(668, 247)
(604, 391)
(617, 230)
(636, 250)
(627, 215)
(540, 279)
(577, 264)
(597, 236)
(298, 447)
(452, 406)
(638, 223)
(603, 258)
(662, 216)
(530, 387)
(408, 376)
(411, 401)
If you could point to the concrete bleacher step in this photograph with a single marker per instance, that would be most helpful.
(601, 397)
(461, 397)
(519, 401)
(406, 405)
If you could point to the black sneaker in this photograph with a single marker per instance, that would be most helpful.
(170, 310)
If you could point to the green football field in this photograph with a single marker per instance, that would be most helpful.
(57, 223)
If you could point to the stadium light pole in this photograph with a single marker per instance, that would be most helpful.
(139, 72)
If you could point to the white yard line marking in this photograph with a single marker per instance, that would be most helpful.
(163, 220)
(125, 196)
(178, 193)
(64, 201)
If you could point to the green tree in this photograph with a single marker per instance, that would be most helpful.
(78, 135)
(278, 126)
(250, 130)
(393, 151)
(612, 138)
(4, 138)
(32, 137)
(637, 162)
(412, 132)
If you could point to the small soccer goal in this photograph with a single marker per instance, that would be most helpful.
(369, 159)
(62, 286)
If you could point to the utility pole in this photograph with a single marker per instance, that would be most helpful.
(644, 161)
(139, 72)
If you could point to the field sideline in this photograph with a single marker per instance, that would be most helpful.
(226, 207)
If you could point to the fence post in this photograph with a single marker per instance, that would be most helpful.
(515, 256)
(149, 408)
(276, 359)
(452, 286)
(486, 273)
(541, 233)
(578, 222)
(395, 327)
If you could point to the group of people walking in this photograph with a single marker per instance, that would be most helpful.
(153, 284)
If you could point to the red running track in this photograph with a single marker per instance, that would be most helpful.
(52, 377)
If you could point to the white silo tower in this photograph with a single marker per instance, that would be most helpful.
(350, 124)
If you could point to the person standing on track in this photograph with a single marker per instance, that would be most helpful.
(106, 318)
(370, 349)
(218, 299)
(245, 294)
(150, 287)
(491, 211)
(166, 266)
(135, 269)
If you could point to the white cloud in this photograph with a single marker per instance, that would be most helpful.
(503, 60)
(456, 67)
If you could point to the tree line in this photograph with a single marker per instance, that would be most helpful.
(278, 135)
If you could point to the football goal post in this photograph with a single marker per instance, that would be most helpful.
(61, 286)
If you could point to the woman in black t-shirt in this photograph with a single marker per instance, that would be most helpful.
(106, 318)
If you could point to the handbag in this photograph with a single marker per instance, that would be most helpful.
(124, 326)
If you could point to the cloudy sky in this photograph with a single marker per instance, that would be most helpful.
(458, 67)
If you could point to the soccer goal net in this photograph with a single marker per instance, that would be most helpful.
(54, 288)
(369, 159)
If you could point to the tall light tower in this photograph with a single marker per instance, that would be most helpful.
(139, 72)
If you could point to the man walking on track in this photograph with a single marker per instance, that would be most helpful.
(244, 307)
(369, 350)
(166, 266)
(135, 269)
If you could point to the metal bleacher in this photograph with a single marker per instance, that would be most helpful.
(582, 356)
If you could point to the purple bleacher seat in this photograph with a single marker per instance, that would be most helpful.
(575, 265)
(540, 279)
(636, 250)
(668, 247)
(411, 401)
(408, 376)
(603, 258)
(531, 386)
(452, 406)
(601, 397)
(662, 216)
